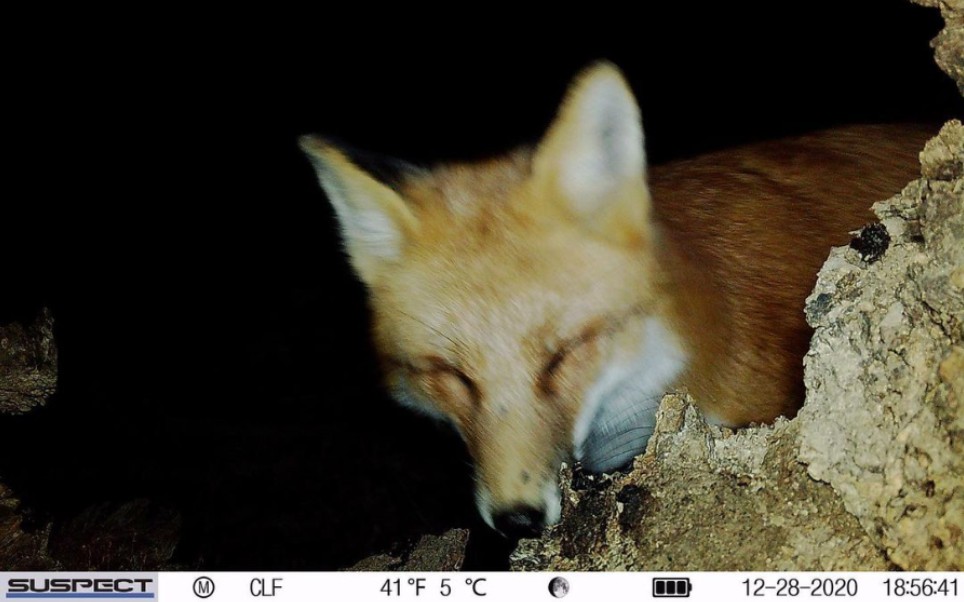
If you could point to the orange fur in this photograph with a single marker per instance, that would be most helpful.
(746, 231)
(502, 290)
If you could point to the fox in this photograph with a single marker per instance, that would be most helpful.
(544, 300)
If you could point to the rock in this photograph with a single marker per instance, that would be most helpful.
(28, 364)
(941, 157)
(28, 377)
(22, 548)
(444, 552)
(949, 44)
(884, 419)
(705, 498)
(134, 536)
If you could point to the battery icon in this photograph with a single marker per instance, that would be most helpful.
(671, 587)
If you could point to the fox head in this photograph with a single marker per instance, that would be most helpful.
(510, 297)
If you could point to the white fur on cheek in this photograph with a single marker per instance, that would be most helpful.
(651, 372)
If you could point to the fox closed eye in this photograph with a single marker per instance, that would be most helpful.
(578, 357)
(566, 364)
(443, 382)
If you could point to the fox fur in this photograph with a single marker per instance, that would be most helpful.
(543, 301)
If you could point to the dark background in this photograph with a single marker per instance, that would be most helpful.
(213, 342)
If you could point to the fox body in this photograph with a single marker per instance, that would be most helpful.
(543, 301)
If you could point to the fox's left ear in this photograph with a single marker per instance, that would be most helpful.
(593, 156)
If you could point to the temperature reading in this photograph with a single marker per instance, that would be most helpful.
(393, 587)
(416, 586)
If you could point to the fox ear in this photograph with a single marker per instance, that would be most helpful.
(375, 221)
(593, 155)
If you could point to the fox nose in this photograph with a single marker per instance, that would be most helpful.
(520, 522)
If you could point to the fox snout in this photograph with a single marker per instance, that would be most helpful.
(516, 468)
(522, 519)
(523, 522)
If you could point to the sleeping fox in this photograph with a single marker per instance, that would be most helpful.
(543, 301)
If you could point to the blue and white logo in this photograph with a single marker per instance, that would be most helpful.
(78, 586)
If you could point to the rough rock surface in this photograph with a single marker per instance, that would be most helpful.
(28, 376)
(704, 498)
(884, 420)
(21, 549)
(28, 364)
(444, 552)
(134, 536)
(949, 43)
(869, 476)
